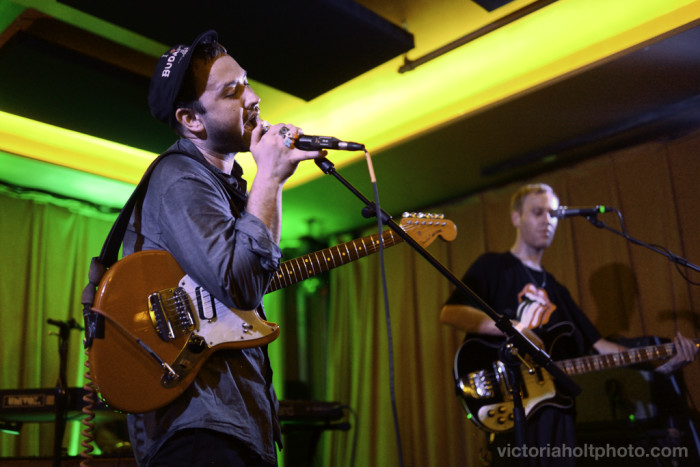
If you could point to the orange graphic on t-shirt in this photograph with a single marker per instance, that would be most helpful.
(534, 307)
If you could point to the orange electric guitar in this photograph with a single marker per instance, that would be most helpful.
(160, 326)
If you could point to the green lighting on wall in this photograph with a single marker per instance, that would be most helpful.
(63, 181)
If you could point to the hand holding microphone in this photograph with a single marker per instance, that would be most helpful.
(314, 143)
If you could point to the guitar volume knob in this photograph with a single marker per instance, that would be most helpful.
(196, 344)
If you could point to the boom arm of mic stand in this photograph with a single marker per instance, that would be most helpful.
(503, 323)
(671, 257)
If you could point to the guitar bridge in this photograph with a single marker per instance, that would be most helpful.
(478, 385)
(171, 313)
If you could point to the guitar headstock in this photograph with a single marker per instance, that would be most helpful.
(424, 228)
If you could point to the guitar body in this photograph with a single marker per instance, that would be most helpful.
(484, 388)
(128, 359)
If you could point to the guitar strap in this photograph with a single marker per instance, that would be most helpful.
(94, 322)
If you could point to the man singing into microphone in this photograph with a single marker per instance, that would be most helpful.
(199, 209)
(515, 283)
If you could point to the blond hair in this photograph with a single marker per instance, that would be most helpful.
(516, 201)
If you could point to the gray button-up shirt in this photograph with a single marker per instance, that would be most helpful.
(197, 213)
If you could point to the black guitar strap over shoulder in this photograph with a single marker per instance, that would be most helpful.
(94, 324)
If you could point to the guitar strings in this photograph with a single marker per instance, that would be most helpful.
(283, 275)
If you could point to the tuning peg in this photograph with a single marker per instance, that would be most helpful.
(422, 215)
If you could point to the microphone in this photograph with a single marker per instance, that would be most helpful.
(314, 143)
(564, 211)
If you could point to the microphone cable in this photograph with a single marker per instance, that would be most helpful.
(88, 410)
(392, 391)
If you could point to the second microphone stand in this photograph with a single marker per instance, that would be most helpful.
(519, 342)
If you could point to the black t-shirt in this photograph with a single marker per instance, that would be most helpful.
(510, 288)
(537, 299)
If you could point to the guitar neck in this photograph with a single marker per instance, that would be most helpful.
(581, 365)
(312, 264)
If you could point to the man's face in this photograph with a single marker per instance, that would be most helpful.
(535, 224)
(231, 105)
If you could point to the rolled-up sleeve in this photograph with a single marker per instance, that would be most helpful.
(261, 241)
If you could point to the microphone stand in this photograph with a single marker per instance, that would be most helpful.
(593, 219)
(514, 381)
(61, 389)
(517, 339)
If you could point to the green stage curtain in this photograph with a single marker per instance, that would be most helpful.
(46, 247)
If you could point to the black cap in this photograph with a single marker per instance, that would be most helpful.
(168, 76)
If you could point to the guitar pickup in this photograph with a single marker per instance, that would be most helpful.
(171, 313)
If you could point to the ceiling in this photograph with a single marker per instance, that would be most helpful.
(84, 66)
(354, 39)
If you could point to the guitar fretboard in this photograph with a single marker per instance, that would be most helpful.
(577, 366)
(304, 267)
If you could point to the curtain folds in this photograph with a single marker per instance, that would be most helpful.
(46, 248)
